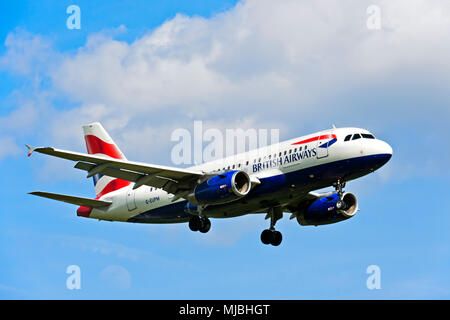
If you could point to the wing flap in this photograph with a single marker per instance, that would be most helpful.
(86, 202)
(111, 172)
(153, 180)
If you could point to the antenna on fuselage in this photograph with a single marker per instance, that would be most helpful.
(334, 127)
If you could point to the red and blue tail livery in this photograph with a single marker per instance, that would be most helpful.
(98, 142)
(258, 181)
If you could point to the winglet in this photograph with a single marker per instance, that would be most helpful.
(30, 149)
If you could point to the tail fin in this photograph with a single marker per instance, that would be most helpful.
(99, 142)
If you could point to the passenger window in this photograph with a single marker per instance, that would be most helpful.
(290, 151)
(234, 166)
(295, 150)
(246, 163)
(347, 138)
(356, 136)
(306, 147)
(285, 152)
(300, 149)
(280, 154)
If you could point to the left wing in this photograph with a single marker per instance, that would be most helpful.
(173, 180)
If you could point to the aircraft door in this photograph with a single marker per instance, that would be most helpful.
(131, 199)
(322, 147)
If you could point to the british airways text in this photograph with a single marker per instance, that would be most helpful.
(274, 163)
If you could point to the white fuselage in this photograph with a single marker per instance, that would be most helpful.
(292, 167)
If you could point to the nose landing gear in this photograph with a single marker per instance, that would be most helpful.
(338, 186)
(271, 236)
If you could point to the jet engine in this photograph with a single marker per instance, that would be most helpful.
(328, 210)
(225, 187)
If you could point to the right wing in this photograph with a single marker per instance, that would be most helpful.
(173, 180)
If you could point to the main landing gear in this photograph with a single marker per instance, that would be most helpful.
(200, 223)
(271, 236)
(339, 186)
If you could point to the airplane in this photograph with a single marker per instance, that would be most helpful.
(270, 180)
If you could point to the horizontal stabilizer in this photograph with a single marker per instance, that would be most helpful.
(85, 202)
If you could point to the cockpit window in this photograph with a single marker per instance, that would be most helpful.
(367, 136)
(356, 136)
(347, 138)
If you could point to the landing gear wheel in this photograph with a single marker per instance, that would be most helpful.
(340, 205)
(195, 223)
(202, 224)
(206, 225)
(271, 236)
(266, 236)
(277, 237)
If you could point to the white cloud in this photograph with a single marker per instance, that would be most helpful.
(284, 64)
(258, 55)
(27, 54)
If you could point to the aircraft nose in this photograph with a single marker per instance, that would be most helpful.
(383, 153)
(385, 148)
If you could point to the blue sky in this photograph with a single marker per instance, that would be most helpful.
(147, 68)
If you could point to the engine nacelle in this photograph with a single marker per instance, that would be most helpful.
(324, 210)
(223, 188)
